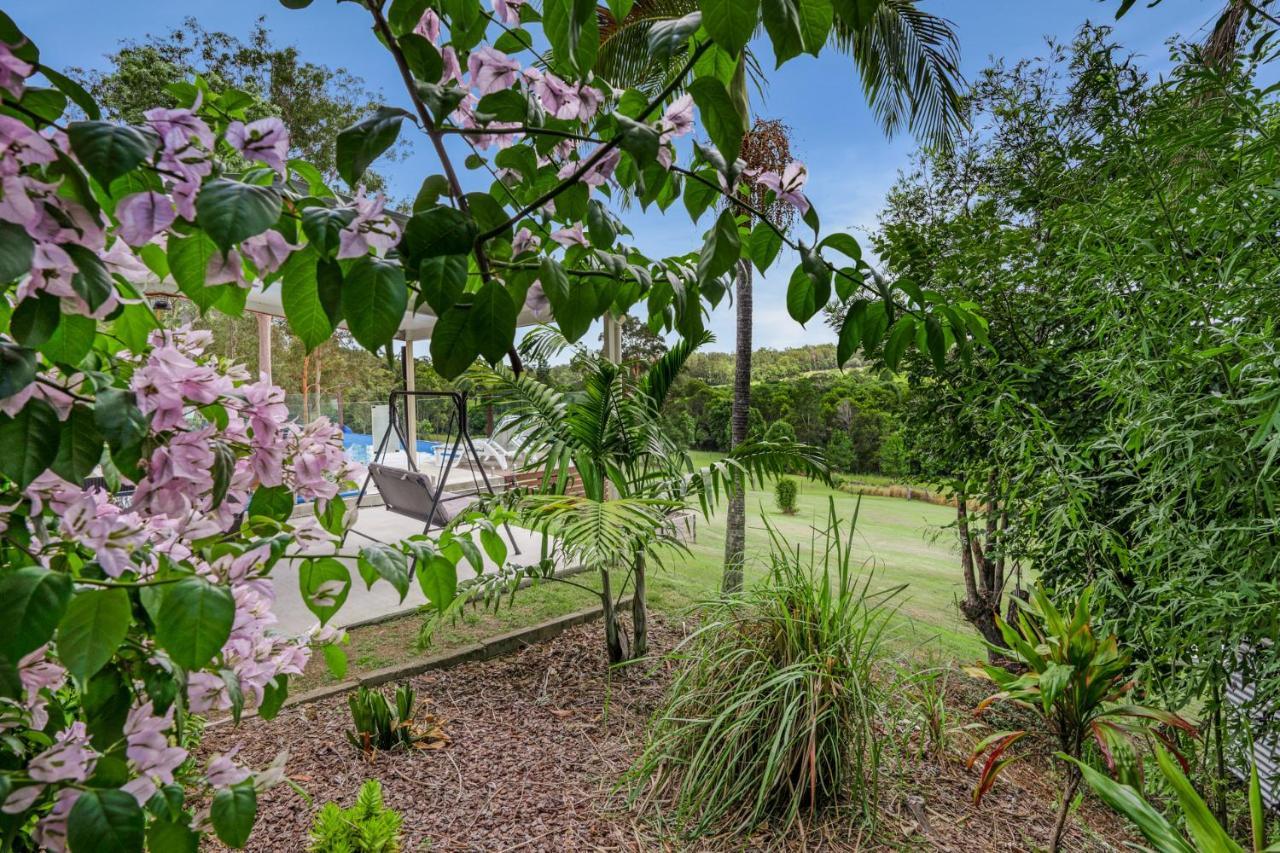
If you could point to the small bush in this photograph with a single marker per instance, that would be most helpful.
(381, 727)
(771, 710)
(784, 494)
(367, 827)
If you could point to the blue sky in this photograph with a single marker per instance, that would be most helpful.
(851, 164)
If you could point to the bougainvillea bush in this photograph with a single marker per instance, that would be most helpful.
(125, 618)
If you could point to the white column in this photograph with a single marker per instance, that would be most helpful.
(410, 406)
(612, 339)
(264, 345)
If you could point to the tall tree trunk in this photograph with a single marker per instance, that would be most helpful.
(982, 590)
(639, 618)
(735, 538)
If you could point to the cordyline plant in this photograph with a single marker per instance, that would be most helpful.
(122, 621)
(1079, 686)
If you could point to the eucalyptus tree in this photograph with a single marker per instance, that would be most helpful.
(908, 64)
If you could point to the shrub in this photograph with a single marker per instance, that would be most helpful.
(367, 827)
(771, 710)
(381, 727)
(1079, 686)
(780, 431)
(784, 494)
(841, 454)
(1208, 833)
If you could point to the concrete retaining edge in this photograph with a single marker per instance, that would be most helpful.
(497, 646)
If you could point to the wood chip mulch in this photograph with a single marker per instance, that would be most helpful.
(537, 740)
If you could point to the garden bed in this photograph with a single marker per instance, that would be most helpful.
(538, 738)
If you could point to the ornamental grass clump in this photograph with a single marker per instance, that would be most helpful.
(772, 710)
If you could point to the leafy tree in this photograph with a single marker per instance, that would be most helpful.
(315, 102)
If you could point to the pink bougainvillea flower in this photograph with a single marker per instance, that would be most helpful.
(491, 70)
(508, 11)
(678, 118)
(589, 101)
(142, 216)
(428, 26)
(370, 229)
(570, 236)
(265, 140)
(558, 97)
(450, 69)
(788, 185)
(525, 241)
(70, 759)
(149, 752)
(268, 250)
(225, 269)
(13, 71)
(51, 832)
(600, 171)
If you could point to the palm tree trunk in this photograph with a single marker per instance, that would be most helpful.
(639, 625)
(735, 539)
(612, 636)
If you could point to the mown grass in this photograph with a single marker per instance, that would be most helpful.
(902, 542)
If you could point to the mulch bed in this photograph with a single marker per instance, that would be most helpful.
(537, 740)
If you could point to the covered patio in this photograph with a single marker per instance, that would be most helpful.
(491, 468)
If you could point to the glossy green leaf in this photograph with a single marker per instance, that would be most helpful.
(80, 445)
(30, 439)
(105, 820)
(230, 211)
(324, 583)
(453, 342)
(374, 300)
(32, 602)
(300, 298)
(233, 812)
(438, 578)
(108, 150)
(195, 621)
(730, 22)
(92, 628)
(493, 321)
(365, 141)
(723, 123)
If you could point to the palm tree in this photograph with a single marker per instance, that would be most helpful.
(606, 434)
(908, 64)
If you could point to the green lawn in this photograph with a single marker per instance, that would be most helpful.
(901, 541)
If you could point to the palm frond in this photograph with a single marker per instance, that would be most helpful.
(756, 461)
(596, 532)
(657, 381)
(909, 62)
(624, 58)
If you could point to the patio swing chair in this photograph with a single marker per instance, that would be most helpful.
(414, 493)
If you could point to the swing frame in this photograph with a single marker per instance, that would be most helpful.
(461, 438)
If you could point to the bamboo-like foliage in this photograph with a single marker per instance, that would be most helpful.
(771, 712)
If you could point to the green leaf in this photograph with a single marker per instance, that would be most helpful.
(92, 282)
(574, 38)
(493, 321)
(782, 23)
(233, 812)
(802, 301)
(106, 820)
(442, 279)
(92, 628)
(816, 17)
(172, 836)
(327, 578)
(300, 298)
(936, 340)
(17, 368)
(438, 231)
(71, 340)
(363, 142)
(387, 563)
(119, 419)
(721, 249)
(640, 140)
(573, 312)
(32, 601)
(668, 38)
(724, 124)
(30, 441)
(188, 262)
(765, 245)
(273, 697)
(403, 15)
(374, 300)
(35, 319)
(453, 342)
(424, 60)
(1126, 801)
(698, 195)
(438, 578)
(230, 211)
(899, 338)
(80, 447)
(74, 91)
(730, 22)
(843, 243)
(335, 659)
(329, 290)
(275, 502)
(195, 621)
(323, 225)
(108, 150)
(17, 250)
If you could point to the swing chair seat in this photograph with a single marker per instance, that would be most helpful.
(413, 494)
